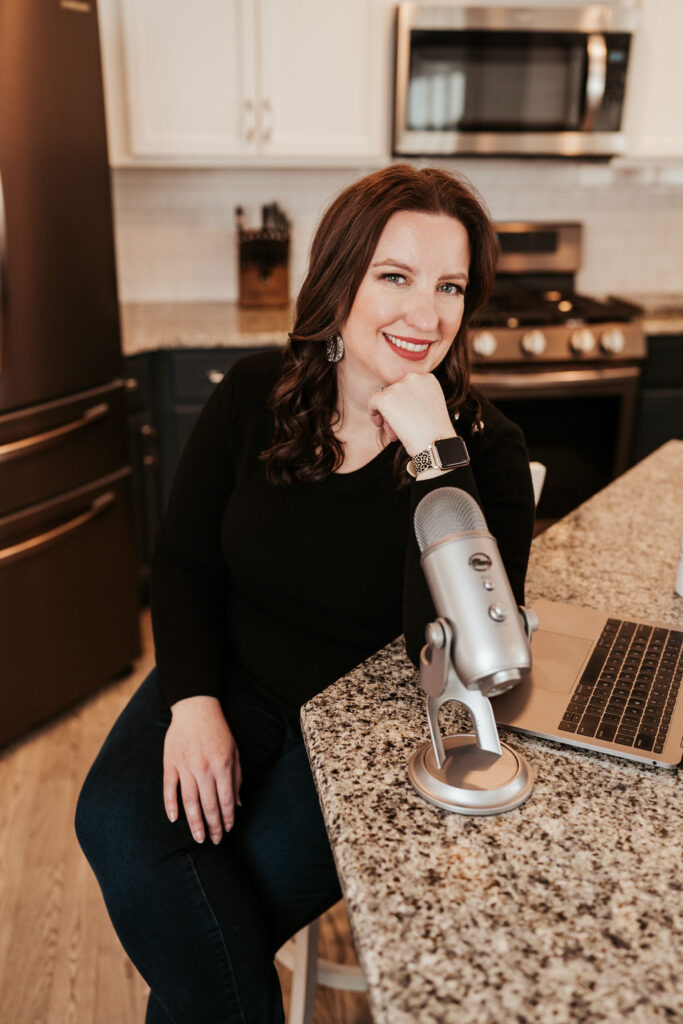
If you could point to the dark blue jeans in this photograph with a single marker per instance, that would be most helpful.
(202, 922)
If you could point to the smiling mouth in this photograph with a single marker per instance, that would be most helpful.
(407, 346)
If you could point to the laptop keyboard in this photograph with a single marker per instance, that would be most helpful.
(629, 687)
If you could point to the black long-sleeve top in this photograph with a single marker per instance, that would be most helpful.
(286, 588)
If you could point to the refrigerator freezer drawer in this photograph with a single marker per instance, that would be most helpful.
(68, 600)
(53, 447)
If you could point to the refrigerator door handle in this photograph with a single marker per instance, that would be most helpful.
(27, 445)
(3, 262)
(42, 540)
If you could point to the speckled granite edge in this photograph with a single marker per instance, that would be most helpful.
(672, 324)
(620, 549)
(148, 327)
(568, 910)
(662, 314)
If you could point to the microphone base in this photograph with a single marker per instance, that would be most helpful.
(471, 780)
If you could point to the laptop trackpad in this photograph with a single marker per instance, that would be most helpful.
(557, 660)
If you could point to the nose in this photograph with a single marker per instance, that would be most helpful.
(421, 312)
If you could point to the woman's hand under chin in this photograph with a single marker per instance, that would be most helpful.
(412, 411)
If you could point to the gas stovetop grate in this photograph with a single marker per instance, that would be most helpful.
(521, 307)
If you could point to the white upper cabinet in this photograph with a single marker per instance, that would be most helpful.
(247, 81)
(190, 77)
(654, 109)
(324, 77)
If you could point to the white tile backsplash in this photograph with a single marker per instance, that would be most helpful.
(175, 232)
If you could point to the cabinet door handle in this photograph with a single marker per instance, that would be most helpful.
(15, 449)
(43, 540)
(215, 376)
(150, 440)
(268, 120)
(249, 120)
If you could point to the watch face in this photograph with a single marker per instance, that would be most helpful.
(451, 452)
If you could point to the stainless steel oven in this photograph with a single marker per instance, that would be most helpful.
(541, 80)
(564, 366)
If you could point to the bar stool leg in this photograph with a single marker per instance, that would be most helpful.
(305, 975)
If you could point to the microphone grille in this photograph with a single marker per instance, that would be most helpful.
(444, 511)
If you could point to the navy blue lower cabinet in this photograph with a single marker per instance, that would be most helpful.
(185, 380)
(145, 456)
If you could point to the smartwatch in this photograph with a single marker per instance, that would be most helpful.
(444, 453)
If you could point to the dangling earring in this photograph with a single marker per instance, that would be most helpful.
(334, 348)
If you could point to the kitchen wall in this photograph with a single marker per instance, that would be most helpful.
(176, 241)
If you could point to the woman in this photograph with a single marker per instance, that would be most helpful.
(286, 557)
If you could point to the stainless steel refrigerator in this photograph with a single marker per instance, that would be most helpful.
(68, 593)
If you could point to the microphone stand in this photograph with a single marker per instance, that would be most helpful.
(465, 773)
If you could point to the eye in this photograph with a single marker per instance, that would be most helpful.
(393, 277)
(451, 288)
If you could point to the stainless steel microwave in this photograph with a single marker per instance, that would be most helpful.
(511, 80)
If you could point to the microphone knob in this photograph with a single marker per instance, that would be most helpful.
(435, 636)
(532, 619)
(496, 613)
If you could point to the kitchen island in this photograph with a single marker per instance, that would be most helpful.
(567, 909)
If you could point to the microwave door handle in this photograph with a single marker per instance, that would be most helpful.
(596, 78)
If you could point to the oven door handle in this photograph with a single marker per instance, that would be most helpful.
(550, 380)
(596, 78)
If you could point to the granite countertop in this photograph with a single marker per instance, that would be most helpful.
(149, 326)
(662, 314)
(567, 909)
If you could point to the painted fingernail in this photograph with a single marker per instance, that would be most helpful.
(216, 839)
(199, 836)
(173, 816)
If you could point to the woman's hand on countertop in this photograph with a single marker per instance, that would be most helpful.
(413, 410)
(201, 756)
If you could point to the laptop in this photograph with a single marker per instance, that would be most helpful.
(601, 683)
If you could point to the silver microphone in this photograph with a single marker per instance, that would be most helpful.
(470, 588)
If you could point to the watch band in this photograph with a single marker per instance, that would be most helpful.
(421, 462)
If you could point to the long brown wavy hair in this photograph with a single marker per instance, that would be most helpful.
(304, 400)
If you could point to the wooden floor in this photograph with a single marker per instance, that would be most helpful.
(60, 961)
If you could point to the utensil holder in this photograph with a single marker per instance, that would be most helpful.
(263, 267)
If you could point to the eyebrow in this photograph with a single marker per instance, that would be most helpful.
(406, 266)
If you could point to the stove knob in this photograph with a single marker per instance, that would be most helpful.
(582, 342)
(484, 344)
(612, 340)
(533, 343)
